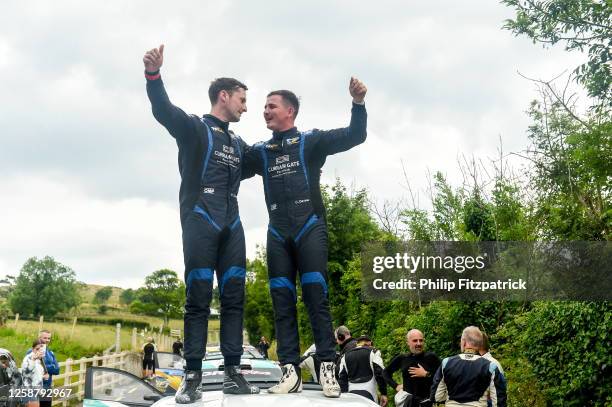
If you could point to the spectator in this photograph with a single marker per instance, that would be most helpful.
(469, 379)
(485, 353)
(344, 340)
(50, 363)
(148, 361)
(33, 371)
(10, 378)
(177, 347)
(361, 371)
(263, 346)
(417, 367)
(310, 361)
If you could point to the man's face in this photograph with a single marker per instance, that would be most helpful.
(416, 342)
(278, 114)
(235, 104)
(45, 337)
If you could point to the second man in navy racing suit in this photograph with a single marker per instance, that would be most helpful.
(210, 158)
(290, 164)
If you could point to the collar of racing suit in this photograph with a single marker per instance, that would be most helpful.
(218, 122)
(279, 135)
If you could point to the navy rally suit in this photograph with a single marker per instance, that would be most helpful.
(290, 164)
(209, 160)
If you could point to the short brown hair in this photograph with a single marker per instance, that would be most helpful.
(227, 84)
(36, 343)
(289, 98)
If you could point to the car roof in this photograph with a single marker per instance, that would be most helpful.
(314, 398)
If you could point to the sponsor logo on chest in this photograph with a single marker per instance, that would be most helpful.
(226, 156)
(292, 141)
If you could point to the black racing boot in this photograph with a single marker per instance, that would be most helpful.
(235, 383)
(189, 390)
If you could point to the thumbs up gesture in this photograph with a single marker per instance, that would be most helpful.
(357, 89)
(154, 59)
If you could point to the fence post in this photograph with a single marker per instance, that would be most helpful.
(40, 322)
(118, 338)
(73, 325)
(67, 371)
(134, 336)
(81, 388)
(16, 319)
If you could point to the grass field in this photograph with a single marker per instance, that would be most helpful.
(87, 339)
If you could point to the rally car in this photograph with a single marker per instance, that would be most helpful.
(169, 367)
(106, 387)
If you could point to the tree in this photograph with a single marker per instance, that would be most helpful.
(7, 285)
(163, 295)
(572, 163)
(258, 312)
(350, 224)
(127, 296)
(44, 287)
(580, 24)
(103, 295)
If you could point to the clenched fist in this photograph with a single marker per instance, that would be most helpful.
(357, 89)
(154, 59)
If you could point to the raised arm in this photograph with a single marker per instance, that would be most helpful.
(338, 140)
(171, 117)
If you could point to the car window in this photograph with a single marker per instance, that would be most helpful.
(166, 360)
(213, 356)
(114, 385)
(254, 371)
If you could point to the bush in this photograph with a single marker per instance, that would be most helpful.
(566, 347)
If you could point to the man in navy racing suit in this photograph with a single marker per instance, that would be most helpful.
(210, 158)
(469, 379)
(290, 164)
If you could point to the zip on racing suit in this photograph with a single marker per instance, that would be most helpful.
(209, 160)
(290, 164)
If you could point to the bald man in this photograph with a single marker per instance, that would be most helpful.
(417, 367)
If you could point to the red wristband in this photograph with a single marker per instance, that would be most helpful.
(153, 76)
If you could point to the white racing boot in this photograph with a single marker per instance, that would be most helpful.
(327, 377)
(291, 382)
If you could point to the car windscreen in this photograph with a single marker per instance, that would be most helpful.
(115, 385)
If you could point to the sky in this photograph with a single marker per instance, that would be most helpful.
(88, 177)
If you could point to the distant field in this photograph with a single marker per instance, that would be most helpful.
(88, 291)
(88, 337)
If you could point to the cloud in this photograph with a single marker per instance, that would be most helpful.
(92, 179)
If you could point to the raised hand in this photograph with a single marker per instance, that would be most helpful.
(154, 59)
(357, 89)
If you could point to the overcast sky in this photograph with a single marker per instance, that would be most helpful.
(89, 177)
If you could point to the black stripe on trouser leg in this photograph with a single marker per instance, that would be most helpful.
(312, 265)
(231, 275)
(200, 253)
(281, 274)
